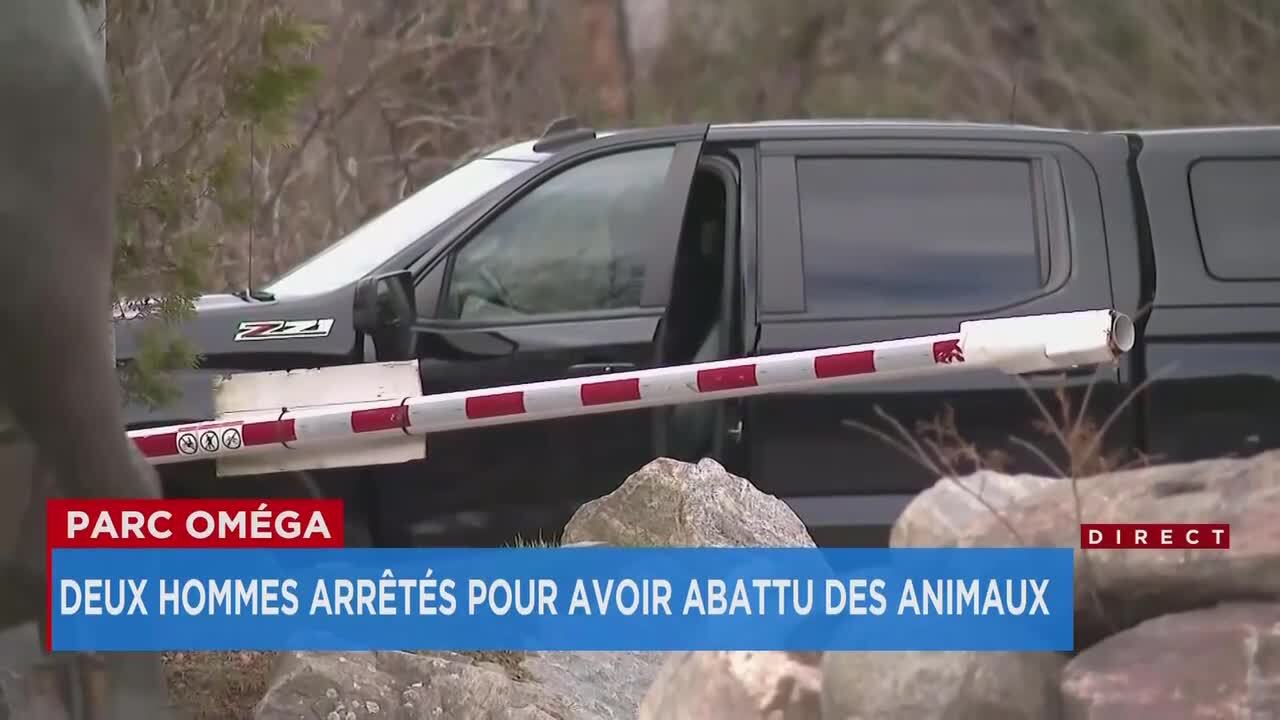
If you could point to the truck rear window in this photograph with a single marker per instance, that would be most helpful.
(1237, 212)
(894, 236)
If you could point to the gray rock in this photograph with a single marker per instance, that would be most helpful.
(328, 685)
(941, 686)
(666, 503)
(1118, 589)
(1221, 662)
(596, 684)
(950, 510)
(676, 504)
(408, 686)
(669, 503)
(736, 686)
(452, 686)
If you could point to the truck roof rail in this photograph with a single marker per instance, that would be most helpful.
(561, 133)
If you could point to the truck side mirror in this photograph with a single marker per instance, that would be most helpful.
(384, 310)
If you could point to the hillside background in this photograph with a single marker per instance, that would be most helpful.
(405, 88)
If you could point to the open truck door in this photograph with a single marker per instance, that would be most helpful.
(569, 275)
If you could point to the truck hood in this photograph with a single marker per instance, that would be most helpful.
(227, 325)
(205, 303)
(133, 310)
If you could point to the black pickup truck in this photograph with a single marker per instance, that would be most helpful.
(585, 252)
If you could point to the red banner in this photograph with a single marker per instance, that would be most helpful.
(205, 523)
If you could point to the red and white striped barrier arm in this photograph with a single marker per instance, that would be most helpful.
(1013, 345)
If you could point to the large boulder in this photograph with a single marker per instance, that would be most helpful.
(330, 686)
(409, 686)
(669, 503)
(1221, 662)
(1116, 589)
(736, 686)
(941, 686)
(595, 684)
(955, 506)
(666, 503)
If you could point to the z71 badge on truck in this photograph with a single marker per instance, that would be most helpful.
(277, 329)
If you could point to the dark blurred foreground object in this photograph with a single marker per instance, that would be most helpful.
(61, 423)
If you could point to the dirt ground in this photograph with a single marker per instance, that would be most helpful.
(226, 685)
(217, 686)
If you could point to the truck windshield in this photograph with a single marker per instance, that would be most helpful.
(382, 237)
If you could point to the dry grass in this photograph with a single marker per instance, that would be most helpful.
(226, 685)
(941, 447)
(511, 661)
(521, 542)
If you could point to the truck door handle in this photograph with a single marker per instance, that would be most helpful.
(735, 432)
(601, 368)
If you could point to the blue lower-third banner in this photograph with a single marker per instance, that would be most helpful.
(562, 599)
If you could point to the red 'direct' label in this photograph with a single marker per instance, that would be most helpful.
(1155, 536)
(204, 523)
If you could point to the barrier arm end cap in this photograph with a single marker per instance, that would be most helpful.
(1048, 342)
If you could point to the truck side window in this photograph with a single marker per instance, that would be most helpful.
(577, 243)
(1237, 216)
(896, 236)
